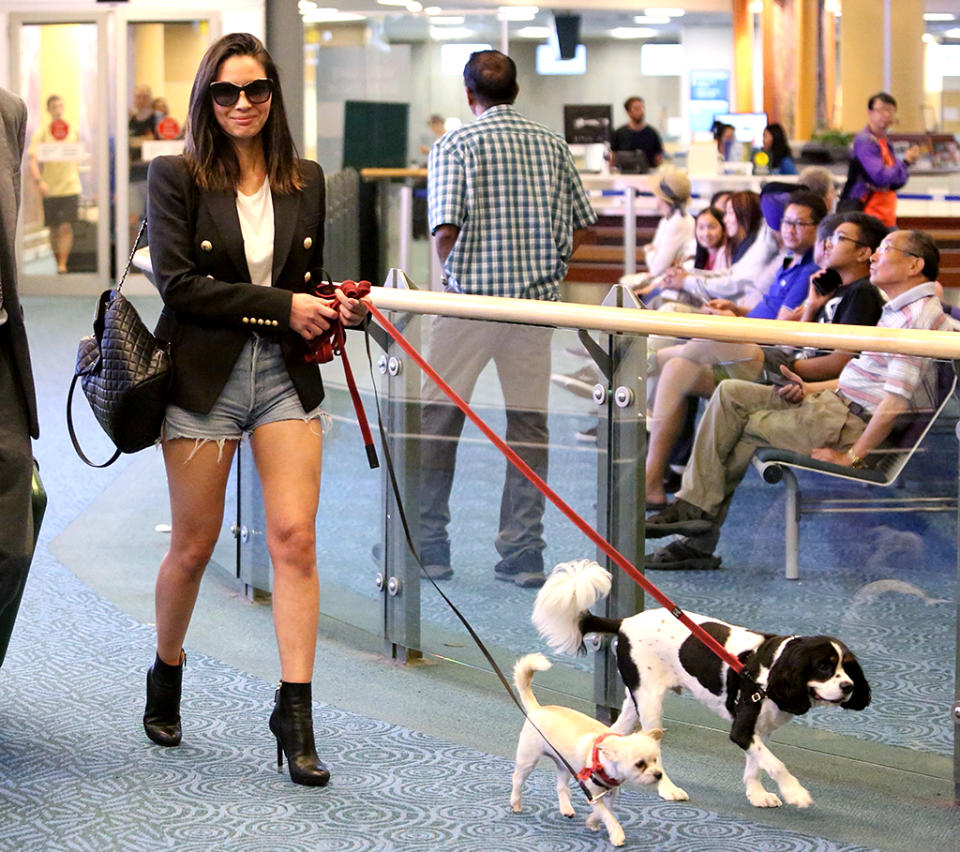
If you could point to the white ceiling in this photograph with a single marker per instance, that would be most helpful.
(598, 17)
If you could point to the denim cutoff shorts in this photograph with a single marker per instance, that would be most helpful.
(259, 391)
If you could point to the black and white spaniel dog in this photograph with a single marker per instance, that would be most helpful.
(655, 652)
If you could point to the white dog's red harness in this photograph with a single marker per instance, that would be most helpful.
(593, 771)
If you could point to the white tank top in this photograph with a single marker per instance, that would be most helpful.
(256, 226)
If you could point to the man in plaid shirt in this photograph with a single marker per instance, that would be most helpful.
(507, 209)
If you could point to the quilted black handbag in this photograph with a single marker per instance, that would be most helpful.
(124, 372)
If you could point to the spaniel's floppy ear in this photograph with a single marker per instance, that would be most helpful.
(860, 697)
(787, 683)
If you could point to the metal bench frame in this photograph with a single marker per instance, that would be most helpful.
(776, 465)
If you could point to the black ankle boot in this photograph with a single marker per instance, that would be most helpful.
(292, 724)
(161, 718)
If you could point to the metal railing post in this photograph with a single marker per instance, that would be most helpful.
(398, 578)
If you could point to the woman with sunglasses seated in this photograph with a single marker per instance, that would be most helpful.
(236, 241)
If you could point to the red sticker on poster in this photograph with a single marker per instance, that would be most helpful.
(168, 128)
(59, 129)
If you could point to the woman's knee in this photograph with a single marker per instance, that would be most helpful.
(191, 555)
(293, 542)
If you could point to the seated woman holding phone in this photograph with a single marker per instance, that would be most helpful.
(840, 291)
(754, 254)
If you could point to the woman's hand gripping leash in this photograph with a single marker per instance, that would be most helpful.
(347, 298)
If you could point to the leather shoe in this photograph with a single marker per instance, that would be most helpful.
(437, 572)
(679, 518)
(679, 556)
(525, 570)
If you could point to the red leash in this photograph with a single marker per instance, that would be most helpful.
(333, 342)
(580, 523)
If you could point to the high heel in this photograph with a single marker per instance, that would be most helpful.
(161, 717)
(292, 724)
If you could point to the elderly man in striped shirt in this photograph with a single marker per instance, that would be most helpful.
(839, 421)
(507, 209)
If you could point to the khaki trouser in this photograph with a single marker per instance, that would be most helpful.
(742, 416)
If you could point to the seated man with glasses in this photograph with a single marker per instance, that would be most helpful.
(839, 421)
(694, 368)
(839, 292)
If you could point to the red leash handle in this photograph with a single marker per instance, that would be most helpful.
(333, 342)
(615, 555)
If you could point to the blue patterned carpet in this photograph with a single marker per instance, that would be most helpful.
(78, 773)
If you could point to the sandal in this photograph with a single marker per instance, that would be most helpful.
(680, 556)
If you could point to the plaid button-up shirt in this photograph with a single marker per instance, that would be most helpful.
(510, 186)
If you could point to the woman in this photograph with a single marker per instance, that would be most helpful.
(753, 257)
(673, 241)
(236, 237)
(742, 217)
(724, 135)
(778, 152)
(713, 248)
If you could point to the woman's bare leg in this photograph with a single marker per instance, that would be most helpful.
(197, 481)
(288, 456)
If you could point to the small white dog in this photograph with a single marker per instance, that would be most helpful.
(602, 758)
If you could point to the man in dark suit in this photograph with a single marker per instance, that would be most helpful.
(18, 405)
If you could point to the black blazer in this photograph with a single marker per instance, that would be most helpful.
(209, 305)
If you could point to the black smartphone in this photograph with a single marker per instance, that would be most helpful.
(827, 282)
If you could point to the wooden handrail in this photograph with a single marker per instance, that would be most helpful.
(391, 174)
(856, 338)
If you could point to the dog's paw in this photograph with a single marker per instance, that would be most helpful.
(517, 807)
(796, 794)
(568, 811)
(617, 837)
(666, 789)
(594, 823)
(764, 799)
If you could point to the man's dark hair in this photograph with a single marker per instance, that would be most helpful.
(813, 202)
(491, 77)
(53, 98)
(828, 224)
(630, 100)
(872, 230)
(922, 245)
(884, 98)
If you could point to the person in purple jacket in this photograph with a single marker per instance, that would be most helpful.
(875, 173)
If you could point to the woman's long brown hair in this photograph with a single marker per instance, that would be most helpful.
(209, 151)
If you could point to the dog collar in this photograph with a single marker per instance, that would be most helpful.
(593, 771)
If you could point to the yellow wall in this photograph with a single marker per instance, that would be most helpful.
(184, 46)
(166, 56)
(58, 70)
(147, 57)
(862, 60)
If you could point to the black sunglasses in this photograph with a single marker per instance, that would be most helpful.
(227, 94)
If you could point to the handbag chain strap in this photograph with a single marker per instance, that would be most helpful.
(133, 251)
